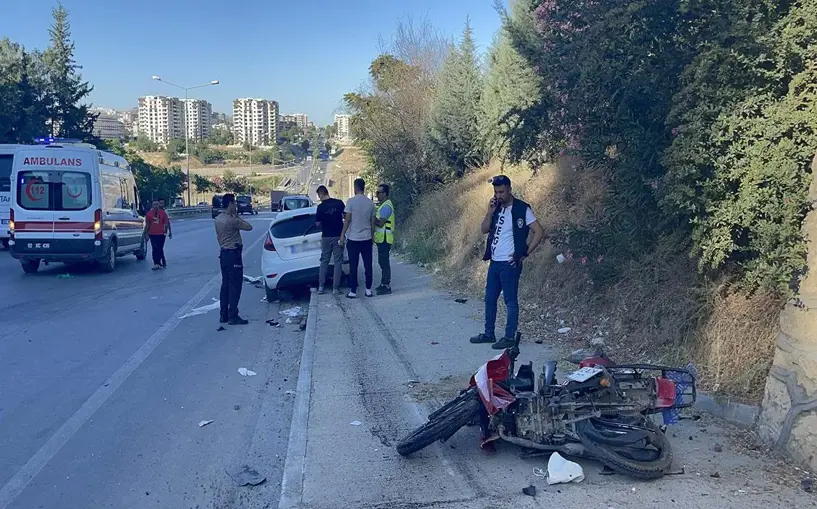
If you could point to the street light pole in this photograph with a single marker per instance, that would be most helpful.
(187, 123)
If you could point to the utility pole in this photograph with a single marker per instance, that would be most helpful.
(187, 123)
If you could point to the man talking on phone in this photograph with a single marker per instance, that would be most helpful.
(228, 233)
(508, 223)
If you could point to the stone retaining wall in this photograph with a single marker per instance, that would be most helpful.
(788, 417)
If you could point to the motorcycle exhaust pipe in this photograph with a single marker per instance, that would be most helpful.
(570, 448)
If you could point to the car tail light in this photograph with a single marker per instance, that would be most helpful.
(98, 224)
(11, 223)
(268, 245)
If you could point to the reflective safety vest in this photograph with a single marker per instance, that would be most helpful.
(385, 233)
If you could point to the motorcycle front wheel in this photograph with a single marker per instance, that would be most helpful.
(650, 462)
(443, 423)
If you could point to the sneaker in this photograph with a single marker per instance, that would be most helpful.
(503, 344)
(482, 338)
(351, 295)
(368, 293)
(379, 288)
(237, 320)
(321, 290)
(384, 290)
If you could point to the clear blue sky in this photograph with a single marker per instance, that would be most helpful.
(305, 53)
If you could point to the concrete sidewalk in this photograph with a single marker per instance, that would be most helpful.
(376, 368)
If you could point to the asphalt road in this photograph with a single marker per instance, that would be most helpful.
(103, 383)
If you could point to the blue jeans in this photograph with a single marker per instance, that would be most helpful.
(502, 278)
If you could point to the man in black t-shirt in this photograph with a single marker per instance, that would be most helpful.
(330, 217)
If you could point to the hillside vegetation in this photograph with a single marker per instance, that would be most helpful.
(666, 145)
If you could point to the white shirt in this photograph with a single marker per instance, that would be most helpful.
(502, 249)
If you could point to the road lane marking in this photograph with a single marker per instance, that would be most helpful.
(15, 486)
(292, 481)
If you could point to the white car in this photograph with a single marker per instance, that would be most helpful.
(292, 251)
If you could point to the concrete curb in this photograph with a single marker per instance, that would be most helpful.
(722, 407)
(292, 481)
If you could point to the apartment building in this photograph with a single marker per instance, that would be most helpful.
(198, 119)
(286, 122)
(301, 120)
(109, 127)
(342, 126)
(255, 121)
(161, 118)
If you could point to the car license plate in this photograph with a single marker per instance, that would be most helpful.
(300, 248)
(39, 245)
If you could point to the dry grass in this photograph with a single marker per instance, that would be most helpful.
(659, 310)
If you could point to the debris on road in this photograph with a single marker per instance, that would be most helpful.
(246, 372)
(355, 423)
(564, 330)
(255, 281)
(302, 326)
(289, 320)
(272, 322)
(65, 276)
(264, 298)
(561, 470)
(529, 491)
(289, 393)
(807, 484)
(245, 476)
(460, 301)
(204, 423)
(202, 310)
(718, 448)
(435, 342)
(292, 312)
(236, 407)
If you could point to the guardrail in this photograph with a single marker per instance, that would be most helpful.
(188, 211)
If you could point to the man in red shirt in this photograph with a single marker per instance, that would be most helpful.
(157, 225)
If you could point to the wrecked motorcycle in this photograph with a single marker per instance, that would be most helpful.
(601, 411)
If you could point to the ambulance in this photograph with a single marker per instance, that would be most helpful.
(71, 202)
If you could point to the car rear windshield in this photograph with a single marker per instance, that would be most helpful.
(296, 226)
(216, 202)
(296, 203)
(52, 190)
(6, 161)
(243, 199)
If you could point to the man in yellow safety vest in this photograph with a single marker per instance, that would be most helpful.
(384, 237)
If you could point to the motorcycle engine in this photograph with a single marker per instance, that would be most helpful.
(531, 418)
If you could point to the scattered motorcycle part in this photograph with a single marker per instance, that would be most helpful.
(626, 461)
(530, 491)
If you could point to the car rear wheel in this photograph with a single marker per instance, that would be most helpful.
(108, 264)
(142, 252)
(30, 266)
(272, 295)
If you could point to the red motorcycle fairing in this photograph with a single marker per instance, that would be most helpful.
(493, 396)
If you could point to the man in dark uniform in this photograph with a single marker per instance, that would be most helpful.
(228, 232)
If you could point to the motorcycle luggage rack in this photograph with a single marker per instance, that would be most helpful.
(686, 393)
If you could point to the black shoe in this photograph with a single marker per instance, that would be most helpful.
(383, 290)
(237, 320)
(503, 344)
(223, 319)
(482, 338)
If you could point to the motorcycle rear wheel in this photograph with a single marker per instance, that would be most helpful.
(624, 463)
(443, 425)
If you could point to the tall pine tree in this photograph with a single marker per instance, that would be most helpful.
(22, 93)
(68, 116)
(455, 115)
(512, 94)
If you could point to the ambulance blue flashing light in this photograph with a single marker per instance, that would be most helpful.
(49, 140)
